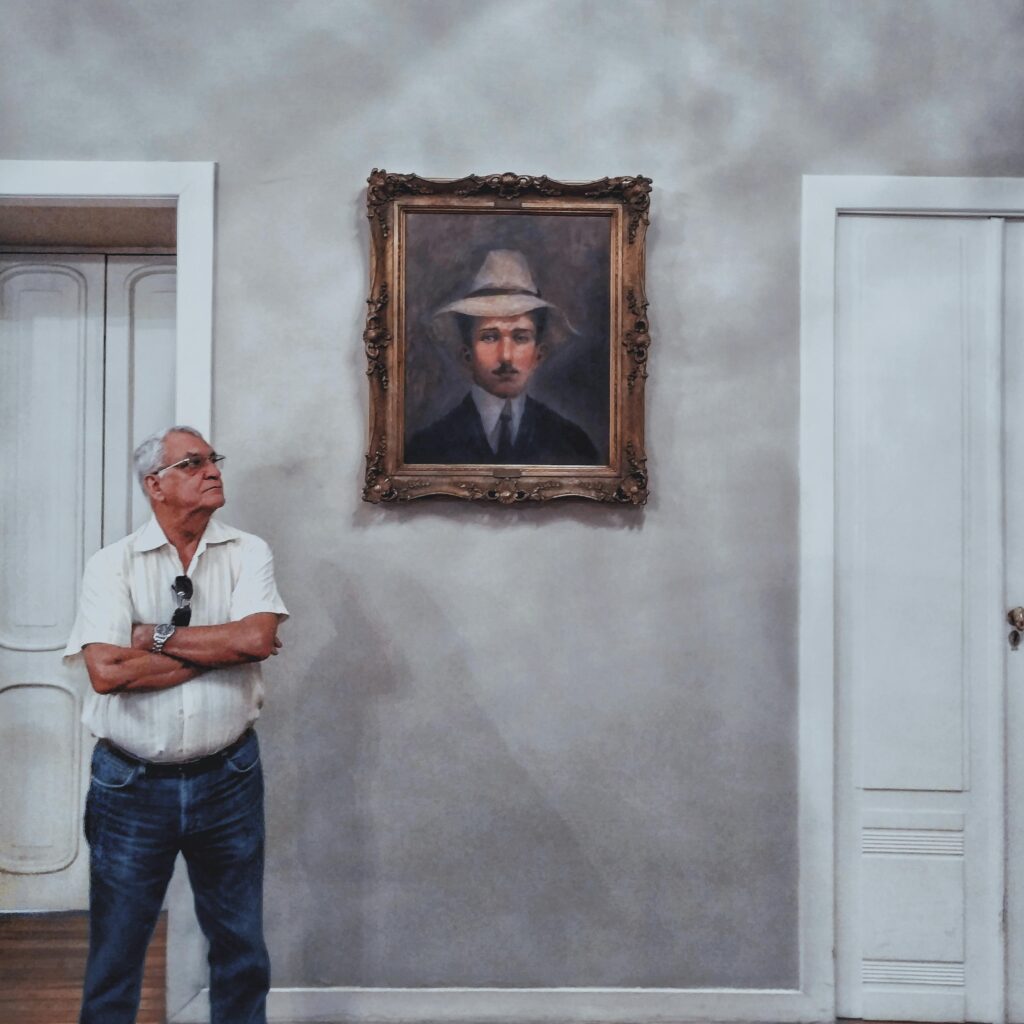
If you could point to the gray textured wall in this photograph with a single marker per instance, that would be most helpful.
(529, 747)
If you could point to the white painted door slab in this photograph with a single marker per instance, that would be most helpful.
(1013, 390)
(921, 649)
(53, 492)
(51, 442)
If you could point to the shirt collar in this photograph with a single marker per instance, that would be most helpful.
(489, 406)
(152, 536)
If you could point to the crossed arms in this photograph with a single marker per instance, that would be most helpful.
(188, 653)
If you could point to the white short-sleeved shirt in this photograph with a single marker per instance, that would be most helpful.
(130, 581)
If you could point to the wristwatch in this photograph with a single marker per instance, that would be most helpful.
(161, 634)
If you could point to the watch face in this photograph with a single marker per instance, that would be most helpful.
(163, 633)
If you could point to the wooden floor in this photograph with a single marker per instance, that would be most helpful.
(42, 965)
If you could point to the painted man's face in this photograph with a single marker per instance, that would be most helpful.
(503, 353)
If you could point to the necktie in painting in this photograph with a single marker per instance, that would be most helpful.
(504, 452)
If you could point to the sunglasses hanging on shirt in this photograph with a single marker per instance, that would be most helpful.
(182, 590)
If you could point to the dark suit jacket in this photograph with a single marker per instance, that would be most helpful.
(544, 438)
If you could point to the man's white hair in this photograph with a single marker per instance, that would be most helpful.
(150, 454)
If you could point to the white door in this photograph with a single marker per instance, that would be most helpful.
(1013, 389)
(921, 648)
(68, 375)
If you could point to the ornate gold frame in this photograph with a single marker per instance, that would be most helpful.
(623, 480)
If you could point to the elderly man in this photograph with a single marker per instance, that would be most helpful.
(502, 331)
(172, 625)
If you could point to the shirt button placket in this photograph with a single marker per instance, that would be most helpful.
(181, 722)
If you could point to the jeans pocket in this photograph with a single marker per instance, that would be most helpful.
(110, 771)
(246, 758)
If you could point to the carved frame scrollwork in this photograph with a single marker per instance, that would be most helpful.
(623, 479)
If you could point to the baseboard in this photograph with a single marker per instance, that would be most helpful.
(526, 1006)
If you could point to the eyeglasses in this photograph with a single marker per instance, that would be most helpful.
(182, 590)
(192, 463)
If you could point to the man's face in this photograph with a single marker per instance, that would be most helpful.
(186, 488)
(503, 353)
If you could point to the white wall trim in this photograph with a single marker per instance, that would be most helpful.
(522, 1006)
(187, 185)
(824, 199)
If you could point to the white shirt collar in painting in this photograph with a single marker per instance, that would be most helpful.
(490, 406)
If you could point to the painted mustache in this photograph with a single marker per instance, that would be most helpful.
(505, 370)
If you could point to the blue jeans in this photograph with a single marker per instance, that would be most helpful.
(137, 820)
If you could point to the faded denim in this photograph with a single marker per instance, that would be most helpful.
(136, 825)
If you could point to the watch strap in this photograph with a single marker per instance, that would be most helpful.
(161, 634)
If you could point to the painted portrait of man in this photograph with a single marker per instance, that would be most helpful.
(507, 340)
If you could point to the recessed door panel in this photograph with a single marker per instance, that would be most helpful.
(39, 802)
(141, 375)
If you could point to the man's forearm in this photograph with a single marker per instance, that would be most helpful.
(114, 669)
(161, 674)
(246, 640)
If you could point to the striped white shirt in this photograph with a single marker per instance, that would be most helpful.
(130, 581)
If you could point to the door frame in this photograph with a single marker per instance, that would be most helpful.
(824, 198)
(189, 186)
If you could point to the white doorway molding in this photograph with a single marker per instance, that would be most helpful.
(825, 198)
(188, 186)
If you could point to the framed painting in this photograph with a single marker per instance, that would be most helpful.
(507, 339)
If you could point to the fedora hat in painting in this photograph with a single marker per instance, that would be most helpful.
(503, 287)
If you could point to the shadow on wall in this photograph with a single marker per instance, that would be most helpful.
(320, 829)
(418, 849)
